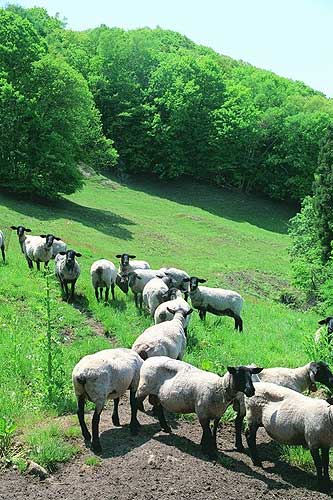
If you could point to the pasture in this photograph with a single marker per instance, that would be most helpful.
(233, 240)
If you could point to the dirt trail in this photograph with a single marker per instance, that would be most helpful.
(155, 465)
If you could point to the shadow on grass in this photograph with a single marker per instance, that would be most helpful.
(230, 204)
(105, 221)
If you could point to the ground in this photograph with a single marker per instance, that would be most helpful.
(158, 465)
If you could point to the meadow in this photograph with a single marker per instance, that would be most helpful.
(231, 239)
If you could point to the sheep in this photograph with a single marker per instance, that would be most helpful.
(179, 278)
(174, 301)
(67, 270)
(294, 419)
(106, 375)
(103, 275)
(122, 283)
(181, 388)
(39, 249)
(164, 339)
(154, 292)
(2, 246)
(297, 379)
(323, 334)
(58, 246)
(125, 266)
(138, 279)
(20, 231)
(216, 301)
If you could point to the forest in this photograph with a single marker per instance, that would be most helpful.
(147, 101)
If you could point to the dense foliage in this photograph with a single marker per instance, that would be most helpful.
(171, 107)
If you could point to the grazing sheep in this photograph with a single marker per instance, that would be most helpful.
(58, 246)
(323, 333)
(165, 339)
(181, 388)
(179, 278)
(216, 301)
(106, 375)
(20, 231)
(67, 270)
(138, 279)
(174, 301)
(154, 292)
(103, 275)
(297, 379)
(294, 419)
(39, 249)
(125, 266)
(2, 246)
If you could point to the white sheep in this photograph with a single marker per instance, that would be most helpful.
(297, 379)
(294, 419)
(164, 339)
(58, 246)
(20, 231)
(179, 278)
(175, 301)
(181, 388)
(154, 293)
(125, 266)
(325, 331)
(216, 301)
(138, 279)
(39, 249)
(67, 270)
(2, 246)
(106, 375)
(103, 275)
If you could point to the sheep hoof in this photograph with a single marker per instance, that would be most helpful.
(115, 421)
(167, 428)
(96, 446)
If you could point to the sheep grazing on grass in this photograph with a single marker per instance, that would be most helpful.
(67, 270)
(324, 334)
(106, 375)
(137, 280)
(174, 301)
(39, 249)
(179, 278)
(164, 339)
(293, 419)
(216, 301)
(58, 246)
(103, 275)
(297, 379)
(125, 266)
(155, 292)
(181, 388)
(20, 231)
(2, 246)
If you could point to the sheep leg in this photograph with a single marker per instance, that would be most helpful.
(251, 438)
(318, 463)
(101, 293)
(38, 265)
(80, 413)
(3, 253)
(30, 264)
(115, 414)
(46, 264)
(136, 299)
(134, 424)
(112, 291)
(140, 300)
(96, 445)
(158, 409)
(72, 289)
(186, 296)
(325, 466)
(202, 314)
(238, 323)
(238, 429)
(216, 425)
(96, 294)
(107, 290)
(66, 290)
(207, 440)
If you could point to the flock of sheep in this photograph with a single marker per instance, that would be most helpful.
(153, 368)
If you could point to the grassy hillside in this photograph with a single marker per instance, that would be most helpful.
(231, 239)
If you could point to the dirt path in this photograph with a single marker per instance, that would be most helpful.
(155, 465)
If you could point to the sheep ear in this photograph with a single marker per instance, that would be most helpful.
(232, 370)
(27, 230)
(13, 227)
(62, 253)
(323, 321)
(190, 311)
(256, 370)
(201, 280)
(132, 256)
(118, 256)
(159, 275)
(185, 280)
(171, 310)
(78, 254)
(42, 235)
(56, 238)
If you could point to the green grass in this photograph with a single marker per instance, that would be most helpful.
(93, 461)
(231, 239)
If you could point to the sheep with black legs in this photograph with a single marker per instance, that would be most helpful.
(216, 301)
(67, 270)
(325, 331)
(106, 375)
(298, 379)
(126, 266)
(293, 419)
(2, 246)
(181, 388)
(174, 301)
(39, 249)
(103, 275)
(20, 231)
(138, 279)
(164, 339)
(155, 292)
